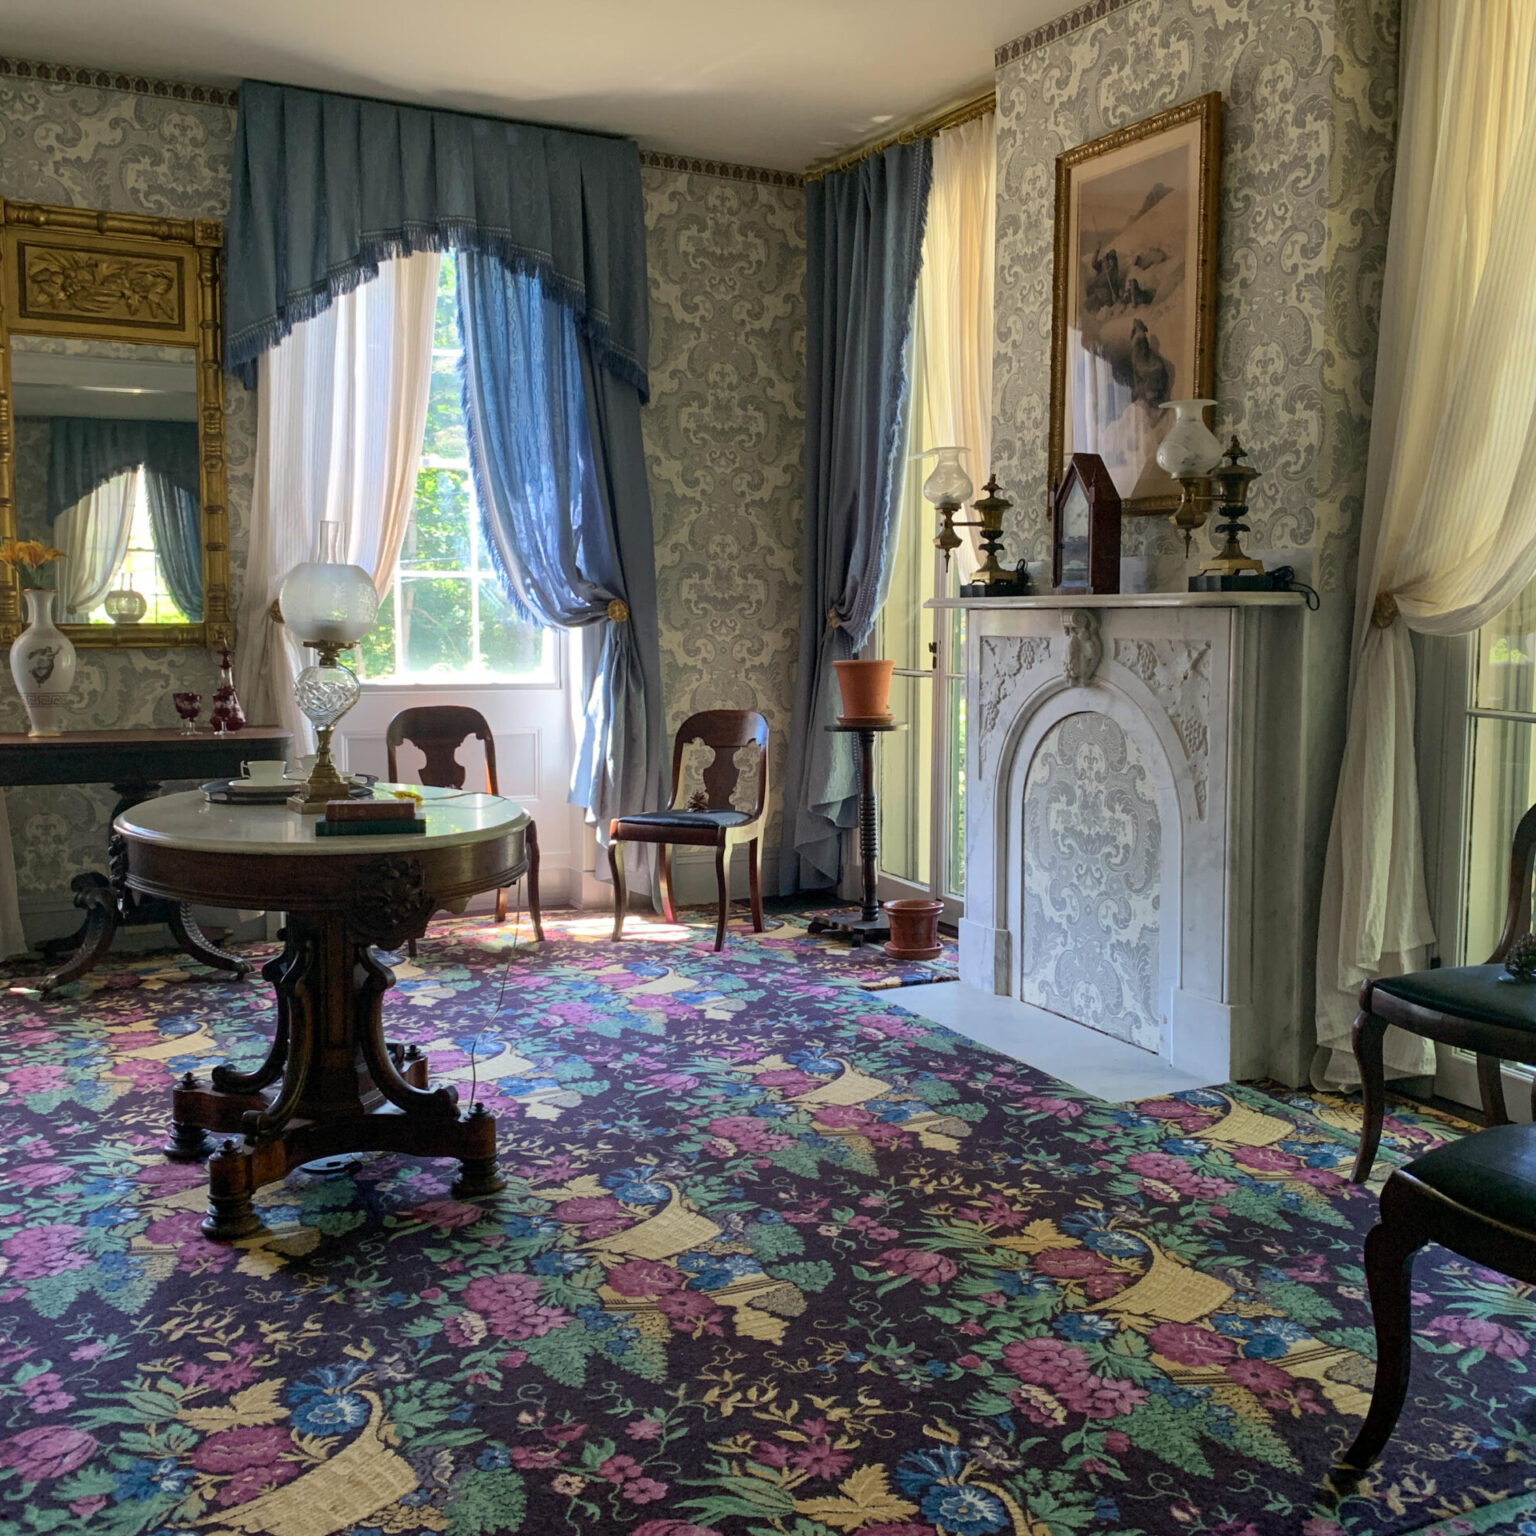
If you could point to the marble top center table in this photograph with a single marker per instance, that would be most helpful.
(330, 1083)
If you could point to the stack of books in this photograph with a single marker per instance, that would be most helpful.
(375, 818)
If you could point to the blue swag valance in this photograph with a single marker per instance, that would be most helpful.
(87, 451)
(325, 187)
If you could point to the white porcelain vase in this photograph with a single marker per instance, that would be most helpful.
(43, 666)
(1190, 447)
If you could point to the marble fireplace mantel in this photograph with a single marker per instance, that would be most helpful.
(1131, 856)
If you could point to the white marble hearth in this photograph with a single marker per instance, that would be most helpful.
(1131, 767)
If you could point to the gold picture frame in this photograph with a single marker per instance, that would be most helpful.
(1134, 294)
(83, 275)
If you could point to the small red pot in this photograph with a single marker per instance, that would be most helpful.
(914, 928)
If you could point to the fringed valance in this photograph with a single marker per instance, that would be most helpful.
(325, 187)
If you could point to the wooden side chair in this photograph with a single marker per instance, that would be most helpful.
(438, 731)
(1480, 1008)
(708, 820)
(1477, 1197)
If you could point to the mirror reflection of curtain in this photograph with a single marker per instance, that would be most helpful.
(176, 518)
(87, 451)
(94, 537)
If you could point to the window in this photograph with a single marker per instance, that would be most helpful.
(444, 619)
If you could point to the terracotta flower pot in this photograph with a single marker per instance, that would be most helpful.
(866, 690)
(914, 928)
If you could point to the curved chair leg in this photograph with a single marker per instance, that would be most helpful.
(1490, 1089)
(531, 880)
(1373, 1086)
(664, 875)
(725, 897)
(1388, 1272)
(410, 948)
(754, 876)
(620, 890)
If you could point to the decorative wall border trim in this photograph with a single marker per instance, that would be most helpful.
(1094, 10)
(111, 80)
(217, 96)
(722, 168)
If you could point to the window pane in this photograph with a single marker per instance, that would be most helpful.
(1503, 787)
(376, 650)
(1506, 657)
(438, 538)
(510, 649)
(435, 624)
(445, 322)
(445, 437)
(954, 846)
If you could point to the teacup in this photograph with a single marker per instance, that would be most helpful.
(302, 767)
(264, 772)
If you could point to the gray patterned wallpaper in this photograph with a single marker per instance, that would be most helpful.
(723, 432)
(1310, 110)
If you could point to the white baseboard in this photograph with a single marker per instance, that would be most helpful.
(1456, 1079)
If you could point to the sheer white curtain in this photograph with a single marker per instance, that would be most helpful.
(1449, 535)
(954, 299)
(94, 537)
(342, 409)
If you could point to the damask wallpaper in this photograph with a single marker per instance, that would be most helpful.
(1310, 107)
(1092, 880)
(723, 433)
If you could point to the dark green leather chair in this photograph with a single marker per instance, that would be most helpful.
(1480, 1008)
(1477, 1197)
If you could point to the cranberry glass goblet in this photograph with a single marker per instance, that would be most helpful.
(189, 706)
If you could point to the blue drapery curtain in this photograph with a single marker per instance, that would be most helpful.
(87, 451)
(177, 520)
(559, 470)
(864, 240)
(325, 187)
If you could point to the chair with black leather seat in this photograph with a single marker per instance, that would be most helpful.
(709, 820)
(1480, 1008)
(437, 731)
(1477, 1197)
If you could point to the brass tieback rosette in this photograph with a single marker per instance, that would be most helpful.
(618, 611)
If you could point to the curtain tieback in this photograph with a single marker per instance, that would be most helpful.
(1384, 611)
(618, 611)
(833, 622)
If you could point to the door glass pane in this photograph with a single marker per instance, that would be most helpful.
(1506, 657)
(1503, 787)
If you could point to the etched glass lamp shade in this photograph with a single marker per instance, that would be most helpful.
(326, 604)
(947, 483)
(1190, 447)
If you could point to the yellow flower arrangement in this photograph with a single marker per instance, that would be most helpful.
(27, 557)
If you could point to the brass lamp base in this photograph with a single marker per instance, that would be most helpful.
(1230, 562)
(324, 783)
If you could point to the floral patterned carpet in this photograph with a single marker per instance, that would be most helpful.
(777, 1257)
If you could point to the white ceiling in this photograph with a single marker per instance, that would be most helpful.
(779, 83)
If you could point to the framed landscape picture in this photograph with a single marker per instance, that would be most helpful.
(1135, 294)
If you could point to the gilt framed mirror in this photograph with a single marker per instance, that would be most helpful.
(112, 422)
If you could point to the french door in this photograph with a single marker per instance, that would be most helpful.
(921, 771)
(1477, 749)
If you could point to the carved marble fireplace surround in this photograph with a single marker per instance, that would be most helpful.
(1131, 857)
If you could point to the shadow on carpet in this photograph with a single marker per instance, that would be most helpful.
(776, 1258)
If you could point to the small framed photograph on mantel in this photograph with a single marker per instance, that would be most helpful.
(1085, 529)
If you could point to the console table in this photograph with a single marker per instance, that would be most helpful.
(135, 763)
(331, 1083)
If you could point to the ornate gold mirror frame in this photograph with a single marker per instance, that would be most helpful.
(117, 277)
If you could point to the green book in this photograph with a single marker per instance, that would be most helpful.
(401, 828)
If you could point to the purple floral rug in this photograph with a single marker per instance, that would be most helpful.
(777, 1257)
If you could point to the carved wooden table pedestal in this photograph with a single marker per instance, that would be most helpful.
(330, 1083)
